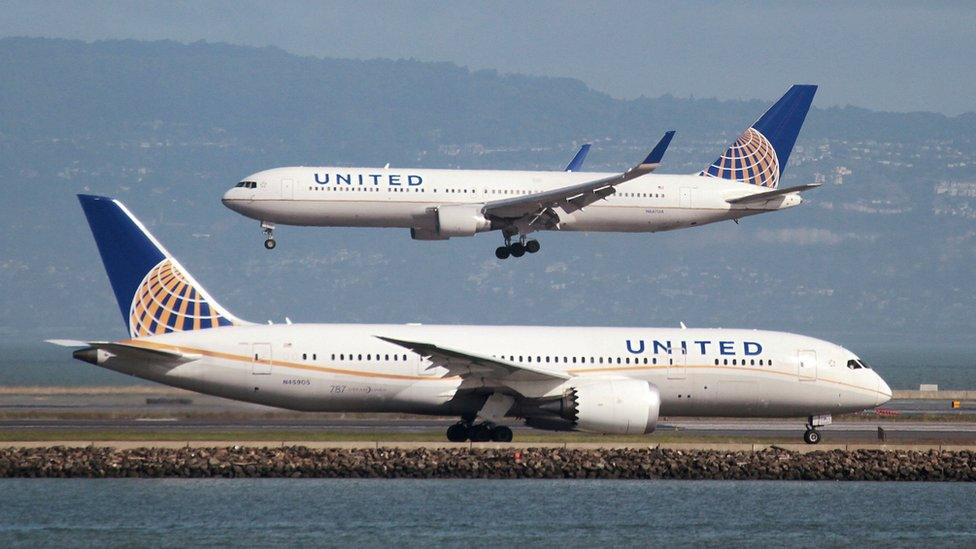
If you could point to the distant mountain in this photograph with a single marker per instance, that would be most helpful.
(885, 252)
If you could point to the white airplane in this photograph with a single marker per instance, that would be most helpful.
(440, 204)
(599, 380)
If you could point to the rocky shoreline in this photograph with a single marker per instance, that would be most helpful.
(651, 463)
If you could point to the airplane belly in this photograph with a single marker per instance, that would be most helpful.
(636, 219)
(301, 390)
(336, 213)
(742, 394)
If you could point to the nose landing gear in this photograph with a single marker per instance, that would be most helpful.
(812, 436)
(268, 229)
(517, 249)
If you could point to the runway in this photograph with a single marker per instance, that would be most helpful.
(741, 430)
(156, 414)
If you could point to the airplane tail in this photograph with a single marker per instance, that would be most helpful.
(759, 155)
(155, 293)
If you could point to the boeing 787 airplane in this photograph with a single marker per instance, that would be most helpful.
(440, 204)
(598, 380)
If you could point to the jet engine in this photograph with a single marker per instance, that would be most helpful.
(461, 221)
(605, 406)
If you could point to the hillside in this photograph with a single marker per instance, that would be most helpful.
(883, 254)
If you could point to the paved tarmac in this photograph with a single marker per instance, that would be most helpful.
(153, 410)
(841, 432)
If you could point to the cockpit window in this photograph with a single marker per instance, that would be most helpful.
(247, 184)
(853, 364)
(863, 364)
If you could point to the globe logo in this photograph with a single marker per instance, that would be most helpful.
(167, 301)
(751, 159)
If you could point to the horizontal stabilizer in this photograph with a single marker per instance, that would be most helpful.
(67, 342)
(96, 352)
(762, 197)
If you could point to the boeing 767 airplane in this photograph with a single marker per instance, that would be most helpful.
(440, 204)
(598, 380)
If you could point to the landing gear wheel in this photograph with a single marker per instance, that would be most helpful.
(457, 432)
(502, 252)
(480, 433)
(811, 436)
(270, 243)
(501, 434)
(532, 246)
(517, 249)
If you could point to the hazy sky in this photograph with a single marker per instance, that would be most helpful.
(881, 55)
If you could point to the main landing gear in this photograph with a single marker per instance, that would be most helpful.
(812, 436)
(464, 431)
(491, 412)
(517, 249)
(268, 229)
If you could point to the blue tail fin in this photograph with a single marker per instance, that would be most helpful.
(155, 293)
(760, 154)
(577, 162)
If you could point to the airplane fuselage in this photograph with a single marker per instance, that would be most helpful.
(409, 198)
(346, 367)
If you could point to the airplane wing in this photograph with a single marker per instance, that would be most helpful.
(465, 364)
(578, 196)
(764, 196)
(577, 162)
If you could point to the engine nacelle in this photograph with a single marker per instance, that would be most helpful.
(608, 406)
(463, 220)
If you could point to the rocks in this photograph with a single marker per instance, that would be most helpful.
(651, 463)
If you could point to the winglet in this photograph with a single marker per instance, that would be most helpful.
(662, 146)
(653, 160)
(577, 162)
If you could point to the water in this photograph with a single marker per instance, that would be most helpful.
(125, 512)
(903, 367)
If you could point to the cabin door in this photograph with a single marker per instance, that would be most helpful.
(807, 365)
(678, 363)
(287, 189)
(261, 358)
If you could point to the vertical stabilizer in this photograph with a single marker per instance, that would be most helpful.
(760, 154)
(156, 295)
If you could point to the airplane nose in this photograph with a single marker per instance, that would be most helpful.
(228, 199)
(884, 392)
